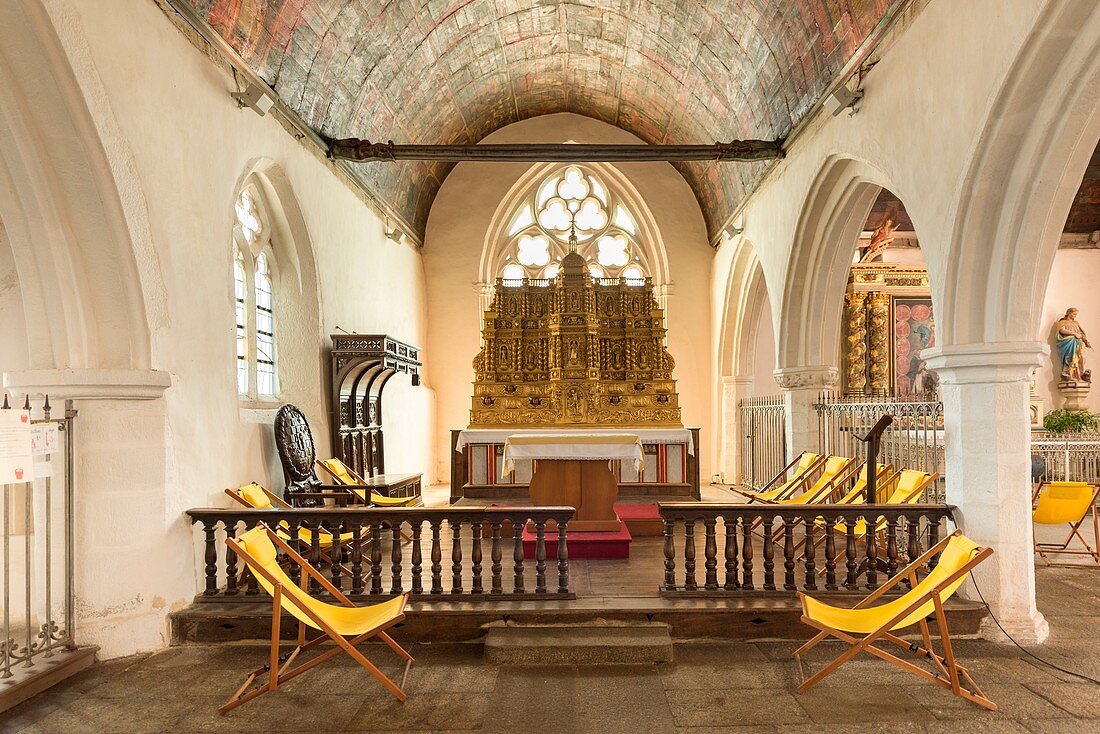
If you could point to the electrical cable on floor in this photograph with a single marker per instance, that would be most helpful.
(1027, 652)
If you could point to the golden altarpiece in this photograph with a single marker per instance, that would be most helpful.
(574, 352)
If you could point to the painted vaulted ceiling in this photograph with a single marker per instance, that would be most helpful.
(453, 71)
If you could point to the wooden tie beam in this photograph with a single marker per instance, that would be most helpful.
(355, 149)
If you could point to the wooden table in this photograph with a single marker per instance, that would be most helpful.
(572, 469)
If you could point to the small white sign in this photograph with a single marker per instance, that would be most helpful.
(45, 439)
(16, 458)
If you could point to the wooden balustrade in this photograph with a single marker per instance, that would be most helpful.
(355, 565)
(822, 547)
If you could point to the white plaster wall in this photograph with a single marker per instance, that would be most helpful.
(188, 146)
(456, 233)
(763, 382)
(1072, 283)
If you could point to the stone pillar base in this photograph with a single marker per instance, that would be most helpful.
(1026, 631)
(1075, 395)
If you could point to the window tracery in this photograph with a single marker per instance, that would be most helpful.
(573, 203)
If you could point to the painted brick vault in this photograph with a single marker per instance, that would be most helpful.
(432, 71)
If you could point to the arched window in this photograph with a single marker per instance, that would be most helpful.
(573, 203)
(254, 299)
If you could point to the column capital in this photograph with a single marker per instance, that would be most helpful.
(977, 363)
(738, 381)
(809, 377)
(86, 384)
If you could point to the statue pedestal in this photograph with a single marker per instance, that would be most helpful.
(1074, 394)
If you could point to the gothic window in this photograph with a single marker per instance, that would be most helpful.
(574, 204)
(254, 300)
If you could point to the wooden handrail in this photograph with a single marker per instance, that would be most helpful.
(346, 542)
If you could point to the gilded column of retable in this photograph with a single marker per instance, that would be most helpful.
(878, 342)
(855, 356)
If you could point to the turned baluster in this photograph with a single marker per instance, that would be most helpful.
(475, 560)
(788, 555)
(670, 556)
(563, 561)
(396, 587)
(872, 554)
(769, 554)
(830, 557)
(689, 556)
(376, 558)
(357, 559)
(517, 554)
(710, 555)
(437, 558)
(746, 553)
(211, 557)
(913, 529)
(852, 582)
(337, 557)
(540, 556)
(315, 556)
(456, 558)
(892, 546)
(933, 538)
(417, 559)
(252, 587)
(810, 555)
(496, 555)
(732, 582)
(230, 564)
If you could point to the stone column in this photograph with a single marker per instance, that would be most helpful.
(733, 390)
(802, 388)
(987, 437)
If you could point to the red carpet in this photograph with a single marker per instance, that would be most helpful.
(582, 544)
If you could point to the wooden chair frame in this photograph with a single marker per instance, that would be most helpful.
(1063, 549)
(949, 674)
(278, 667)
(796, 481)
(405, 535)
(365, 536)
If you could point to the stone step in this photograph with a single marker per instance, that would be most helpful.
(598, 642)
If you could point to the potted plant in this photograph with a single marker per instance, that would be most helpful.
(1071, 421)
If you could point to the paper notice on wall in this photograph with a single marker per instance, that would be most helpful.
(16, 457)
(45, 439)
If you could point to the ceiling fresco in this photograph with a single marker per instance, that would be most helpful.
(438, 71)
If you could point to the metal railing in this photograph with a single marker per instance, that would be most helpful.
(913, 441)
(762, 430)
(748, 548)
(37, 620)
(381, 552)
(1067, 457)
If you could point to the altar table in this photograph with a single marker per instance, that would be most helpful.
(573, 469)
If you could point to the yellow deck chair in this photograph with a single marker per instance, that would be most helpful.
(1068, 503)
(258, 497)
(345, 624)
(780, 486)
(909, 486)
(864, 625)
(346, 477)
(825, 486)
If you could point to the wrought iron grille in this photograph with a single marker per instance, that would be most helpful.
(762, 424)
(37, 616)
(913, 441)
(1067, 458)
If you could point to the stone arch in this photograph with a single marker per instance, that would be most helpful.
(833, 214)
(649, 235)
(1020, 182)
(71, 234)
(743, 307)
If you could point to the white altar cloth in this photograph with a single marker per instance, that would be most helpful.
(647, 435)
(592, 446)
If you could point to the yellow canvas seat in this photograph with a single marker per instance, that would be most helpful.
(780, 485)
(1068, 503)
(909, 488)
(864, 624)
(258, 548)
(344, 476)
(823, 487)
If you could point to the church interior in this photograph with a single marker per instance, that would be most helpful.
(562, 365)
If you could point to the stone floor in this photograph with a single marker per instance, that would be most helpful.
(710, 687)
